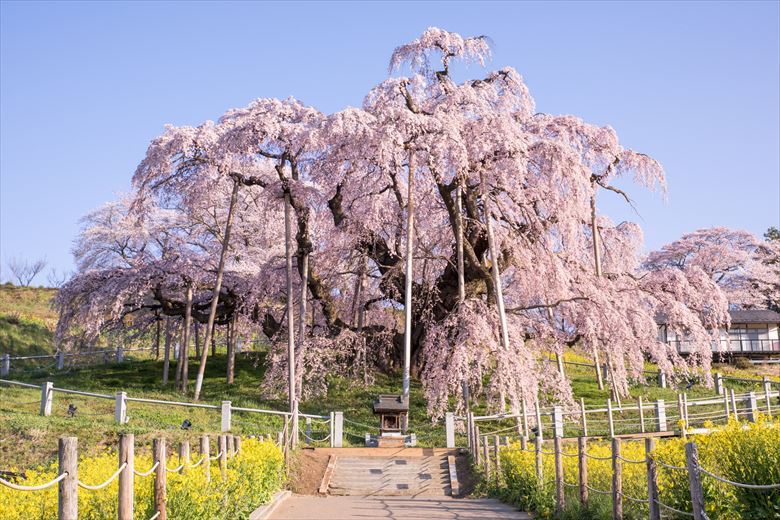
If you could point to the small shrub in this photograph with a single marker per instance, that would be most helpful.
(743, 363)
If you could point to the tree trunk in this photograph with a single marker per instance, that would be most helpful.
(184, 355)
(409, 277)
(167, 354)
(217, 288)
(459, 243)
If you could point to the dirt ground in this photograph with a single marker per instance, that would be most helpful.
(307, 470)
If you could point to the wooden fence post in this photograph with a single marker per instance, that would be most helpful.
(5, 366)
(538, 421)
(67, 499)
(237, 443)
(161, 478)
(652, 480)
(308, 431)
(609, 418)
(734, 404)
(559, 491)
(205, 452)
(184, 456)
(660, 414)
(338, 429)
(681, 413)
(617, 481)
(582, 459)
(126, 477)
(557, 417)
(525, 422)
(538, 454)
(47, 395)
(768, 396)
(584, 418)
(694, 479)
(752, 406)
(231, 450)
(718, 383)
(685, 408)
(120, 407)
(222, 449)
(641, 414)
(226, 416)
(726, 406)
(449, 423)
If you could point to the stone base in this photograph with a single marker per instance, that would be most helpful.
(391, 440)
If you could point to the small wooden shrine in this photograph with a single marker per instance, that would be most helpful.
(393, 411)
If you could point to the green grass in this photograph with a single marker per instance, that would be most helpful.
(27, 320)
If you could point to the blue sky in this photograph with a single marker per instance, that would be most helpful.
(85, 86)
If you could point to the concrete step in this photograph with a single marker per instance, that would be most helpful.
(391, 476)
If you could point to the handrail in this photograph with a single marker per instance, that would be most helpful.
(19, 383)
(79, 392)
(174, 403)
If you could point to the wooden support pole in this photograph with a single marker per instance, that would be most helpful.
(486, 457)
(726, 406)
(231, 450)
(685, 409)
(538, 421)
(557, 417)
(559, 491)
(205, 452)
(308, 431)
(584, 418)
(609, 418)
(582, 449)
(652, 480)
(617, 481)
(734, 404)
(768, 396)
(126, 477)
(222, 450)
(718, 383)
(67, 499)
(525, 419)
(694, 479)
(538, 454)
(497, 456)
(237, 444)
(752, 406)
(184, 456)
(477, 448)
(641, 414)
(47, 395)
(681, 413)
(161, 477)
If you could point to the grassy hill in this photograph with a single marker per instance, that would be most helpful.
(27, 320)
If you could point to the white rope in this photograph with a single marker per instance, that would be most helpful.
(215, 457)
(156, 515)
(670, 508)
(597, 458)
(739, 484)
(107, 482)
(638, 500)
(671, 466)
(598, 490)
(643, 461)
(32, 488)
(147, 473)
(199, 462)
(175, 470)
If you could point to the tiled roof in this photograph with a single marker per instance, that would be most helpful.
(755, 316)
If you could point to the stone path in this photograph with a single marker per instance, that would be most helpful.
(299, 507)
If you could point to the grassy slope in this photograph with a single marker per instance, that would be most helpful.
(26, 320)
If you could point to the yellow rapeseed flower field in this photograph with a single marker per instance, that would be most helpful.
(252, 478)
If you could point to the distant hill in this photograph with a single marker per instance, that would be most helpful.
(27, 320)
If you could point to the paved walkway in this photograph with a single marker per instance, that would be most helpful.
(299, 507)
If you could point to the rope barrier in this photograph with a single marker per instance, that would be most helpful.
(147, 473)
(199, 462)
(670, 466)
(215, 457)
(156, 515)
(670, 508)
(569, 485)
(739, 484)
(175, 470)
(315, 440)
(594, 457)
(643, 461)
(569, 454)
(360, 424)
(638, 500)
(32, 488)
(598, 490)
(107, 482)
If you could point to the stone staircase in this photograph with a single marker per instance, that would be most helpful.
(396, 475)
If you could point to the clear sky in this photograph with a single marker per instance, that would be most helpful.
(85, 86)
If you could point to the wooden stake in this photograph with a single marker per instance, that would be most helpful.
(559, 491)
(582, 459)
(67, 499)
(641, 414)
(694, 479)
(617, 481)
(160, 478)
(652, 480)
(126, 455)
(538, 453)
(205, 452)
